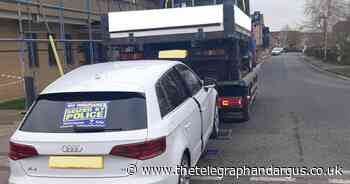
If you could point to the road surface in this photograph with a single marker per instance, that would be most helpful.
(8, 122)
(301, 118)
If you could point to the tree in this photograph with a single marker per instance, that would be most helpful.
(323, 15)
(318, 10)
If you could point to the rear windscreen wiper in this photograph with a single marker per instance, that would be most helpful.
(94, 129)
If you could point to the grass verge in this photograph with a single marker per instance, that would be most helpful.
(17, 104)
(342, 71)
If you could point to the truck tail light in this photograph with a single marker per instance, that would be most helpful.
(20, 151)
(230, 102)
(141, 151)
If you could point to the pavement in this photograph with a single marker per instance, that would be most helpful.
(340, 71)
(300, 118)
(8, 123)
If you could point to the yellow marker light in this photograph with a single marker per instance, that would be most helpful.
(172, 54)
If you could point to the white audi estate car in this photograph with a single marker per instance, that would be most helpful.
(98, 122)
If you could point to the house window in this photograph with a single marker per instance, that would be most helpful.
(69, 50)
(32, 47)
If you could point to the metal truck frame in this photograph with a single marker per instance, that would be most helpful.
(215, 36)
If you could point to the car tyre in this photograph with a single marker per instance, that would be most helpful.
(246, 112)
(215, 132)
(185, 178)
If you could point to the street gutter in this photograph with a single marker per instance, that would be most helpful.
(338, 75)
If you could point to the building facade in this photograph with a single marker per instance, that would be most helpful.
(75, 20)
(258, 27)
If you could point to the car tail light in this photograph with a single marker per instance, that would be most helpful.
(230, 102)
(141, 151)
(20, 151)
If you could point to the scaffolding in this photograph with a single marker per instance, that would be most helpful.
(27, 6)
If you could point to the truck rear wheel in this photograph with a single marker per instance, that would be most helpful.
(246, 112)
(215, 132)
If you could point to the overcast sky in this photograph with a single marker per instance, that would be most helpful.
(278, 13)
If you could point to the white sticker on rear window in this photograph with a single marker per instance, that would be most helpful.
(85, 114)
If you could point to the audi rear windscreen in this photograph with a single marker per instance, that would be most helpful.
(87, 112)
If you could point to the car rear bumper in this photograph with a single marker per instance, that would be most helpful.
(123, 180)
(231, 113)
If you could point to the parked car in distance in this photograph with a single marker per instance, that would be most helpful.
(90, 125)
(277, 51)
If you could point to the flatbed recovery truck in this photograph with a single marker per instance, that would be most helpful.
(214, 40)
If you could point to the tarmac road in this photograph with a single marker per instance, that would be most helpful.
(301, 118)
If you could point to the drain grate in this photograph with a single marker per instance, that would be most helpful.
(210, 154)
(225, 134)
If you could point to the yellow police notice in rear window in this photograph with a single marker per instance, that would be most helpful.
(85, 114)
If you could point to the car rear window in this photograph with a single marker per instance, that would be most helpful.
(64, 112)
(231, 91)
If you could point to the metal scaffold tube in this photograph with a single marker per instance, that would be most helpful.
(38, 12)
(44, 40)
(91, 46)
(29, 87)
(29, 81)
(62, 33)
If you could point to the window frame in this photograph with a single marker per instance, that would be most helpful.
(184, 80)
(161, 88)
(160, 83)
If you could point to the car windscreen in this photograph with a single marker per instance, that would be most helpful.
(69, 112)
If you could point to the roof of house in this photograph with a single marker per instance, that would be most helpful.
(342, 26)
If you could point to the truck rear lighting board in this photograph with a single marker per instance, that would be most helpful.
(173, 54)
